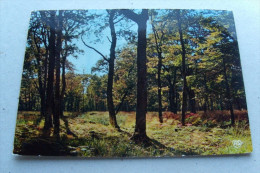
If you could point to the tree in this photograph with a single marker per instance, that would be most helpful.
(57, 100)
(111, 62)
(183, 53)
(50, 95)
(158, 37)
(141, 107)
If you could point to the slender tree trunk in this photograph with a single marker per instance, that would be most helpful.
(159, 69)
(110, 102)
(62, 104)
(49, 93)
(159, 87)
(238, 103)
(183, 53)
(175, 92)
(171, 96)
(220, 102)
(43, 97)
(205, 107)
(172, 93)
(192, 101)
(211, 104)
(228, 93)
(177, 96)
(41, 92)
(56, 117)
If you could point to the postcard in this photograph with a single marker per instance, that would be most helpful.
(132, 83)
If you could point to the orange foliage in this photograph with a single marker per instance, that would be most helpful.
(170, 115)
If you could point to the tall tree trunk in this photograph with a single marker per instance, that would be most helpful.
(221, 102)
(183, 53)
(49, 93)
(141, 108)
(159, 87)
(140, 127)
(192, 101)
(159, 69)
(56, 116)
(205, 107)
(43, 97)
(228, 94)
(211, 104)
(177, 96)
(110, 102)
(172, 93)
(62, 104)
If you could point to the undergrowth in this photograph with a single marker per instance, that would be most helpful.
(96, 138)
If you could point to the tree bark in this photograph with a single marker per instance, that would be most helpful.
(141, 108)
(228, 93)
(192, 101)
(140, 128)
(159, 69)
(110, 80)
(41, 90)
(62, 104)
(110, 102)
(159, 87)
(172, 93)
(205, 107)
(183, 53)
(57, 99)
(49, 93)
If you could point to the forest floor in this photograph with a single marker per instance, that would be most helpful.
(92, 136)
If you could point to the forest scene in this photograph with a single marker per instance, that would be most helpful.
(132, 83)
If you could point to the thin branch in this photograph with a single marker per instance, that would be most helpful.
(109, 39)
(155, 37)
(119, 20)
(94, 49)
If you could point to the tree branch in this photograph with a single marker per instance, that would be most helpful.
(94, 49)
(109, 39)
(130, 14)
(119, 20)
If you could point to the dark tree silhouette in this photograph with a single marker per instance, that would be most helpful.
(57, 100)
(111, 64)
(51, 66)
(158, 43)
(183, 54)
(141, 107)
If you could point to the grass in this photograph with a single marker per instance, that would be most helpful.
(96, 138)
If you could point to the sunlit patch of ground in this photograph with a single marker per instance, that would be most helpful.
(96, 138)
